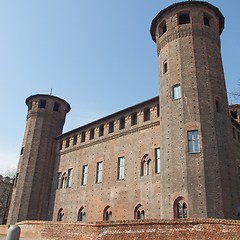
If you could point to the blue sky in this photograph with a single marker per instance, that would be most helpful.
(97, 55)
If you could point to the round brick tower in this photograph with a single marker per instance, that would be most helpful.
(198, 175)
(45, 120)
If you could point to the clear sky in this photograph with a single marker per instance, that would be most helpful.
(96, 54)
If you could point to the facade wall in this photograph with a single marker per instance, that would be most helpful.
(134, 143)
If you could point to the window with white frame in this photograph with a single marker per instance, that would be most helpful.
(84, 174)
(193, 141)
(99, 172)
(176, 92)
(69, 179)
(120, 168)
(157, 160)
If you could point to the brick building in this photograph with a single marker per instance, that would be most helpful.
(173, 156)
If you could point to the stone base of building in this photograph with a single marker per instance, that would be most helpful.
(147, 229)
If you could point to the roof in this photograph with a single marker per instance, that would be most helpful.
(164, 11)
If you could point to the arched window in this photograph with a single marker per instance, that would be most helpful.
(60, 215)
(64, 181)
(139, 213)
(107, 214)
(81, 215)
(146, 165)
(180, 208)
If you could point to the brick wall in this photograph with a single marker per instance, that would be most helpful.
(148, 229)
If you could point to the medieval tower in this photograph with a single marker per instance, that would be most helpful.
(45, 120)
(199, 173)
(172, 156)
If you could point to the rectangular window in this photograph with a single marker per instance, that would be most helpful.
(101, 130)
(120, 168)
(122, 123)
(234, 114)
(56, 107)
(75, 138)
(42, 104)
(61, 145)
(111, 127)
(238, 171)
(67, 142)
(22, 149)
(146, 115)
(91, 134)
(157, 160)
(84, 174)
(176, 92)
(134, 119)
(83, 136)
(69, 178)
(99, 172)
(184, 18)
(193, 142)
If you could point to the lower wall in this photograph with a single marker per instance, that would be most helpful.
(3, 229)
(126, 230)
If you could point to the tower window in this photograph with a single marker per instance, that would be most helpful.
(239, 171)
(139, 212)
(29, 106)
(122, 123)
(184, 19)
(180, 208)
(22, 149)
(217, 106)
(193, 142)
(234, 132)
(60, 215)
(56, 107)
(134, 119)
(111, 127)
(75, 138)
(99, 172)
(67, 142)
(120, 168)
(91, 134)
(176, 92)
(61, 145)
(42, 104)
(162, 28)
(101, 130)
(206, 21)
(165, 67)
(146, 115)
(16, 180)
(83, 136)
(234, 114)
(84, 174)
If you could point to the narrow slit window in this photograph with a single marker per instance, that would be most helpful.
(165, 67)
(67, 142)
(75, 138)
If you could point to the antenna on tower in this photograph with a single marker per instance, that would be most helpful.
(51, 92)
